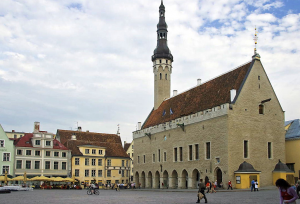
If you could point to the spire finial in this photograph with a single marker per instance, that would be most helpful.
(256, 55)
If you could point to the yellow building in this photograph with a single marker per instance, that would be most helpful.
(14, 134)
(292, 144)
(128, 147)
(96, 157)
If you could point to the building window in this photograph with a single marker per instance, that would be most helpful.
(48, 153)
(2, 143)
(261, 109)
(64, 165)
(207, 150)
(86, 173)
(55, 165)
(159, 155)
(6, 156)
(138, 159)
(64, 154)
(175, 154)
(108, 173)
(180, 154)
(100, 151)
(123, 162)
(56, 154)
(166, 76)
(160, 76)
(196, 151)
(165, 156)
(37, 165)
(127, 163)
(28, 152)
(19, 152)
(122, 174)
(99, 173)
(47, 164)
(76, 172)
(76, 161)
(15, 136)
(37, 153)
(144, 157)
(38, 142)
(93, 151)
(19, 164)
(87, 151)
(246, 149)
(291, 166)
(93, 162)
(108, 162)
(93, 173)
(190, 152)
(167, 61)
(99, 162)
(5, 169)
(87, 161)
(28, 164)
(48, 143)
(153, 157)
(270, 150)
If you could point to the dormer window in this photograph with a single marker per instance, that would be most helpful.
(38, 142)
(48, 143)
(159, 61)
(167, 61)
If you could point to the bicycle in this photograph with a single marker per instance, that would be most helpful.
(96, 191)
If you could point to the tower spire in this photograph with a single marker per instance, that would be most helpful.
(256, 55)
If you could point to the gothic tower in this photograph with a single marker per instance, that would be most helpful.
(162, 61)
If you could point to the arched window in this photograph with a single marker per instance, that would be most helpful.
(166, 76)
(160, 76)
(159, 61)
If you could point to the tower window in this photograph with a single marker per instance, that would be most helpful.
(245, 148)
(167, 61)
(160, 76)
(166, 76)
(159, 61)
(261, 109)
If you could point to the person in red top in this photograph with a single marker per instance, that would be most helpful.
(287, 193)
(229, 185)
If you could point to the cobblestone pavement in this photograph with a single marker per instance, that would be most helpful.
(137, 196)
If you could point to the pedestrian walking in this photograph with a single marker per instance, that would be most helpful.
(255, 186)
(252, 185)
(287, 193)
(213, 188)
(229, 185)
(208, 186)
(201, 190)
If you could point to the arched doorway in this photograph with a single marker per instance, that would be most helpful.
(156, 180)
(136, 179)
(195, 178)
(184, 179)
(165, 179)
(218, 175)
(143, 180)
(174, 179)
(149, 180)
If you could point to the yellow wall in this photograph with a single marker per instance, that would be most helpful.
(116, 165)
(283, 175)
(245, 180)
(130, 151)
(292, 156)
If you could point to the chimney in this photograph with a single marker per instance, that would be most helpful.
(79, 129)
(174, 92)
(139, 126)
(198, 82)
(73, 137)
(13, 131)
(36, 127)
(232, 94)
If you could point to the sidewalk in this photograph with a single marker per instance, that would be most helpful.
(194, 190)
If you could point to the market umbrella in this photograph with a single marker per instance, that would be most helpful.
(40, 178)
(57, 179)
(18, 178)
(69, 179)
(2, 178)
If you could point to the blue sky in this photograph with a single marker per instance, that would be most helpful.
(88, 62)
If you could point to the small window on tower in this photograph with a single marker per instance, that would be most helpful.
(166, 76)
(159, 61)
(261, 109)
(167, 61)
(160, 76)
(161, 14)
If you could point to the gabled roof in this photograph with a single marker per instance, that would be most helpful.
(205, 96)
(126, 146)
(25, 141)
(293, 131)
(111, 142)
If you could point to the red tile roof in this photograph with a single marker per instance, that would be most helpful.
(25, 141)
(112, 142)
(208, 95)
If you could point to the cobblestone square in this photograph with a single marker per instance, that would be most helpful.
(138, 196)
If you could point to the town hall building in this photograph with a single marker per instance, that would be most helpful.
(230, 128)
